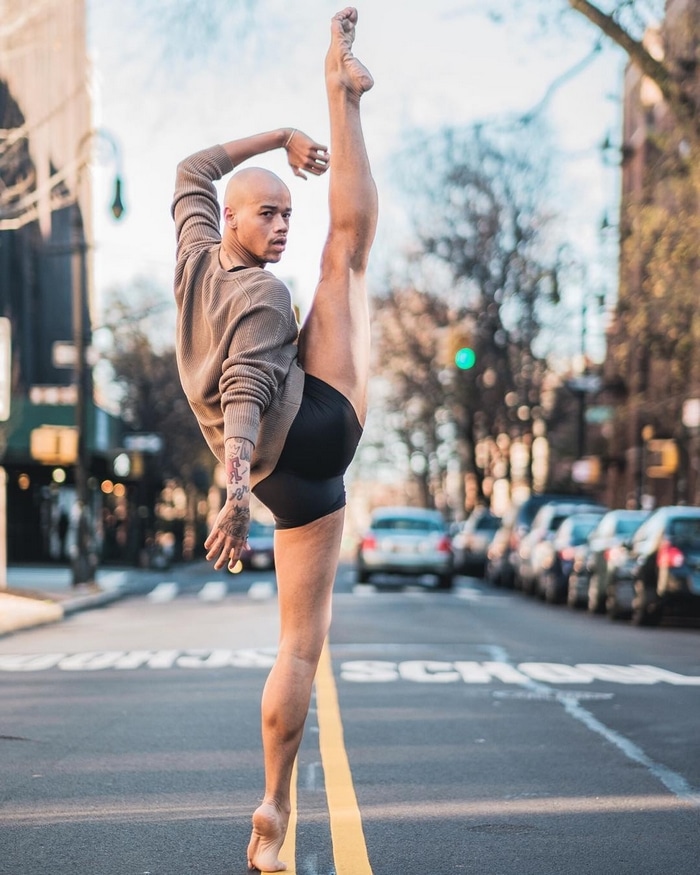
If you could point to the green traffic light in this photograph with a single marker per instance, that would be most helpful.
(465, 358)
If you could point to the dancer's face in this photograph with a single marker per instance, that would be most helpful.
(257, 210)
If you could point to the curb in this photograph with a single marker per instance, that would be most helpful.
(87, 602)
(24, 611)
(19, 612)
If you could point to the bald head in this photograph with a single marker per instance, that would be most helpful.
(257, 207)
(254, 184)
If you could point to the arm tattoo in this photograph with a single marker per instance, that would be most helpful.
(237, 527)
(238, 455)
(235, 474)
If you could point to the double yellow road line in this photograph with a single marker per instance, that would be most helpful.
(349, 847)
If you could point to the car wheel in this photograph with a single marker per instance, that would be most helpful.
(596, 604)
(551, 590)
(572, 596)
(363, 576)
(445, 582)
(645, 611)
(612, 608)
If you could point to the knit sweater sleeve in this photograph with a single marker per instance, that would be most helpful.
(195, 206)
(261, 349)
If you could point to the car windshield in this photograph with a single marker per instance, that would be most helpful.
(685, 532)
(556, 521)
(581, 531)
(626, 526)
(406, 524)
(489, 523)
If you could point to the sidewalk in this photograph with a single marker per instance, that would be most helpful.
(37, 595)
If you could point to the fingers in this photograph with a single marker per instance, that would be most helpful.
(314, 160)
(315, 168)
(222, 549)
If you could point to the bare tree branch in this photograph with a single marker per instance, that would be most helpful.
(679, 99)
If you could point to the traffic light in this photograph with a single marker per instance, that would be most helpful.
(465, 358)
(454, 347)
(662, 458)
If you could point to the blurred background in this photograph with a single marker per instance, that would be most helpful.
(534, 280)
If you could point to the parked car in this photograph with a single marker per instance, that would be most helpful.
(665, 556)
(557, 559)
(602, 553)
(258, 552)
(521, 525)
(471, 541)
(409, 542)
(534, 549)
(498, 569)
(620, 592)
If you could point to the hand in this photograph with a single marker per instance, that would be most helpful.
(303, 153)
(229, 534)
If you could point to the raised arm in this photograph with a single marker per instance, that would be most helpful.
(195, 206)
(303, 153)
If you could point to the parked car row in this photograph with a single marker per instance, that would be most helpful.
(630, 564)
(564, 549)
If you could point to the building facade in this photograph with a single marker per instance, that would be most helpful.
(652, 369)
(46, 138)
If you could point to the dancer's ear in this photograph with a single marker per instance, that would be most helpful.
(230, 218)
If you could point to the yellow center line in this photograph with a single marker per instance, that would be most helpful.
(288, 851)
(349, 847)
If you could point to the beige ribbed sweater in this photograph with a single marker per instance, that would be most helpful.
(236, 335)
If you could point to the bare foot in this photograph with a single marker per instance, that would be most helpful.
(340, 61)
(269, 828)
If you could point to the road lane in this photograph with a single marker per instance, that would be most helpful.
(565, 770)
(483, 732)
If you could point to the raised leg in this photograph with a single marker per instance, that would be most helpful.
(306, 559)
(333, 346)
(334, 343)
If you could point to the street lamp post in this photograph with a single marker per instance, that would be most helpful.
(84, 563)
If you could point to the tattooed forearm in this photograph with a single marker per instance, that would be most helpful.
(237, 526)
(238, 455)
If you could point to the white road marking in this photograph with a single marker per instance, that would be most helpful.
(526, 676)
(213, 591)
(364, 589)
(164, 592)
(261, 589)
(673, 781)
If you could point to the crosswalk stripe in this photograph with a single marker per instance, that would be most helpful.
(213, 591)
(164, 592)
(261, 589)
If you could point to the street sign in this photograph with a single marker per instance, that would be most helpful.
(54, 444)
(599, 413)
(146, 442)
(585, 383)
(5, 367)
(63, 355)
(53, 394)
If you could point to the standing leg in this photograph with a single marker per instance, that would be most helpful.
(306, 559)
(333, 346)
(334, 341)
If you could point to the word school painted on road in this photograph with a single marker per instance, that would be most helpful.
(424, 671)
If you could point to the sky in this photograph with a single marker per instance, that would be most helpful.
(162, 93)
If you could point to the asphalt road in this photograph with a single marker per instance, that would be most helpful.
(477, 731)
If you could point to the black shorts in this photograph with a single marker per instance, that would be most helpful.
(307, 483)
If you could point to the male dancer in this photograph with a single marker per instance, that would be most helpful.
(284, 417)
